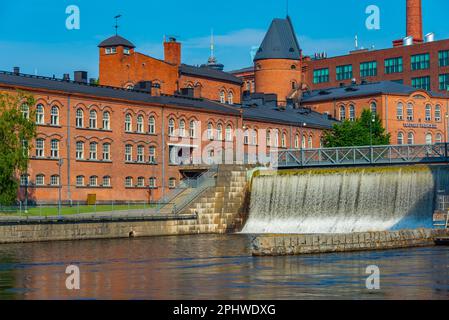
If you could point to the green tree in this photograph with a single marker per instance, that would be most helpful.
(17, 129)
(358, 132)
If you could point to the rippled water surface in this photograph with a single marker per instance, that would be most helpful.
(214, 267)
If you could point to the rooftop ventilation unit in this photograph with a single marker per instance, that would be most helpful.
(408, 41)
(430, 37)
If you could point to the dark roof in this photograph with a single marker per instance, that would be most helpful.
(207, 72)
(368, 89)
(116, 41)
(71, 87)
(280, 42)
(248, 69)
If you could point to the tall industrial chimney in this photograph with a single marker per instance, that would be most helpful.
(414, 20)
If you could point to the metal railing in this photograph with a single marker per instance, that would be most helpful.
(391, 154)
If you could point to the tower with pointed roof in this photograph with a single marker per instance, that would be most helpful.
(277, 62)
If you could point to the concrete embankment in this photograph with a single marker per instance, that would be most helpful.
(293, 244)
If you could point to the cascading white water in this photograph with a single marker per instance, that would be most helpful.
(343, 201)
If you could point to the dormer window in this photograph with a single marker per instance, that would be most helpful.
(111, 50)
(126, 51)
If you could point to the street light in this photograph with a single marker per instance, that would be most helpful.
(60, 163)
(373, 119)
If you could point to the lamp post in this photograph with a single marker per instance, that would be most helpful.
(60, 163)
(373, 119)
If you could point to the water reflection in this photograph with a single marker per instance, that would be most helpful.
(214, 267)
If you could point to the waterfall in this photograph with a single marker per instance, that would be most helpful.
(343, 201)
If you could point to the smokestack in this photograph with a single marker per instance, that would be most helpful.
(414, 20)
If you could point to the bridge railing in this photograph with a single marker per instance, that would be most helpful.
(391, 154)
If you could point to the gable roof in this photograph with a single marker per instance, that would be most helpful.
(116, 41)
(207, 72)
(280, 42)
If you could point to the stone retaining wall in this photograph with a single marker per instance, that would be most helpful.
(279, 245)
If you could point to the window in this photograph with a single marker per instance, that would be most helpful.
(40, 180)
(93, 151)
(368, 69)
(54, 151)
(126, 51)
(443, 81)
(210, 131)
(152, 125)
(182, 128)
(373, 108)
(111, 50)
(410, 138)
(351, 113)
(140, 182)
(443, 58)
(254, 140)
(420, 61)
(128, 123)
(40, 144)
(40, 114)
(128, 153)
(410, 112)
(106, 152)
(344, 72)
(80, 181)
(54, 119)
(192, 129)
(171, 127)
(268, 138)
(284, 140)
(428, 112)
(93, 119)
(106, 121)
(25, 111)
(429, 139)
(246, 137)
(172, 183)
(228, 133)
(438, 113)
(54, 180)
(303, 142)
(128, 182)
(24, 180)
(297, 141)
(93, 181)
(79, 118)
(230, 98)
(310, 142)
(400, 138)
(439, 138)
(421, 83)
(79, 150)
(152, 182)
(393, 65)
(140, 154)
(152, 154)
(222, 97)
(321, 75)
(219, 132)
(342, 113)
(106, 181)
(400, 111)
(276, 138)
(140, 124)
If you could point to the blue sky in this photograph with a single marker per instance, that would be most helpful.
(33, 33)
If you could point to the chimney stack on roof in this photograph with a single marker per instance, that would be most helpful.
(414, 20)
(172, 51)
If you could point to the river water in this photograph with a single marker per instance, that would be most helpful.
(214, 267)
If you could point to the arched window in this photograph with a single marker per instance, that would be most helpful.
(373, 108)
(153, 183)
(106, 120)
(40, 114)
(429, 138)
(222, 97)
(428, 112)
(129, 182)
(106, 181)
(152, 125)
(93, 181)
(276, 138)
(93, 147)
(40, 180)
(40, 146)
(140, 182)
(400, 138)
(230, 98)
(410, 112)
(80, 181)
(106, 151)
(228, 133)
(351, 113)
(303, 141)
(210, 131)
(400, 111)
(140, 154)
(54, 180)
(128, 153)
(310, 142)
(171, 127)
(79, 150)
(254, 142)
(297, 141)
(268, 138)
(93, 119)
(79, 118)
(192, 129)
(342, 113)
(182, 128)
(246, 136)
(284, 140)
(410, 138)
(140, 124)
(152, 155)
(25, 111)
(54, 119)
(439, 138)
(437, 112)
(128, 123)
(54, 148)
(219, 132)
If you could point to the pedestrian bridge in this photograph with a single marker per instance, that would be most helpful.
(355, 156)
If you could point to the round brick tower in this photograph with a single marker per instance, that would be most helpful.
(278, 67)
(414, 20)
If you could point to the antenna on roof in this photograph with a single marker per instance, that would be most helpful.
(356, 40)
(116, 23)
(212, 44)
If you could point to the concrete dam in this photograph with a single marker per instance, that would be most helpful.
(351, 200)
